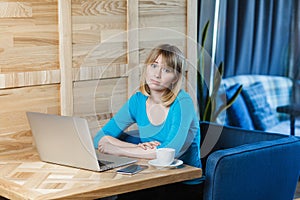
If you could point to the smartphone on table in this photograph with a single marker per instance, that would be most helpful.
(132, 169)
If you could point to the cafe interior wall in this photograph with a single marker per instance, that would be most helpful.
(82, 58)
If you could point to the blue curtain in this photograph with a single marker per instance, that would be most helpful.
(295, 58)
(254, 36)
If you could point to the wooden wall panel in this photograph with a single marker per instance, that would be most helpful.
(81, 57)
(29, 66)
(162, 22)
(98, 100)
(99, 32)
(99, 38)
(15, 9)
(66, 54)
(106, 47)
(31, 78)
(99, 96)
(30, 33)
(14, 104)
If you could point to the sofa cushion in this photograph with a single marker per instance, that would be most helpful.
(263, 116)
(253, 171)
(237, 113)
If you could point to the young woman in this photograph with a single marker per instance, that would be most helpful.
(164, 114)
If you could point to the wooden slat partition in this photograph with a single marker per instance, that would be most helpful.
(29, 67)
(83, 57)
(65, 50)
(29, 78)
(191, 50)
(148, 23)
(100, 60)
(133, 45)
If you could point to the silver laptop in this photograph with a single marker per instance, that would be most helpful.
(67, 141)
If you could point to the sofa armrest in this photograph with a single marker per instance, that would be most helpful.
(261, 170)
(221, 136)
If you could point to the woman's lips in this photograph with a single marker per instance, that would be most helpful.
(155, 82)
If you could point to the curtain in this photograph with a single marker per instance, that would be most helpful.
(295, 59)
(253, 37)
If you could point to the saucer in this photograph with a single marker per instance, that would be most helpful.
(174, 164)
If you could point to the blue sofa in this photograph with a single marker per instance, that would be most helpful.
(245, 164)
(255, 108)
(248, 164)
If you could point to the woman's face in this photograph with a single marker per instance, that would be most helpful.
(159, 76)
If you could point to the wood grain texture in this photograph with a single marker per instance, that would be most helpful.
(53, 52)
(192, 49)
(65, 50)
(100, 72)
(99, 98)
(31, 78)
(162, 22)
(29, 36)
(99, 32)
(24, 176)
(14, 104)
(15, 9)
(133, 45)
(29, 67)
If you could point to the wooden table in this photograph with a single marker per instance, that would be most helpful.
(24, 176)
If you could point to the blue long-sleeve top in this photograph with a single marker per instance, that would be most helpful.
(180, 130)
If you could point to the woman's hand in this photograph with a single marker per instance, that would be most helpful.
(104, 145)
(110, 145)
(150, 145)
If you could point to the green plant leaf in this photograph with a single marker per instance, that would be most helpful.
(207, 103)
(207, 110)
(204, 33)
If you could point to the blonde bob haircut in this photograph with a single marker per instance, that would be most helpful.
(173, 58)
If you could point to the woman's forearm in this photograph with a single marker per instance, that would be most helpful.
(115, 142)
(114, 146)
(136, 151)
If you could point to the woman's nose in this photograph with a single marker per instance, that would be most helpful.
(157, 72)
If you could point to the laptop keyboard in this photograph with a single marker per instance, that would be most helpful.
(106, 165)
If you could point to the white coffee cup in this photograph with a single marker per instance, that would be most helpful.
(165, 156)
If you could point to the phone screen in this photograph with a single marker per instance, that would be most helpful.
(132, 169)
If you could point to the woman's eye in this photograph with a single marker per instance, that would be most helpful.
(153, 65)
(166, 70)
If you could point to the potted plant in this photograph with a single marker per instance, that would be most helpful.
(209, 87)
